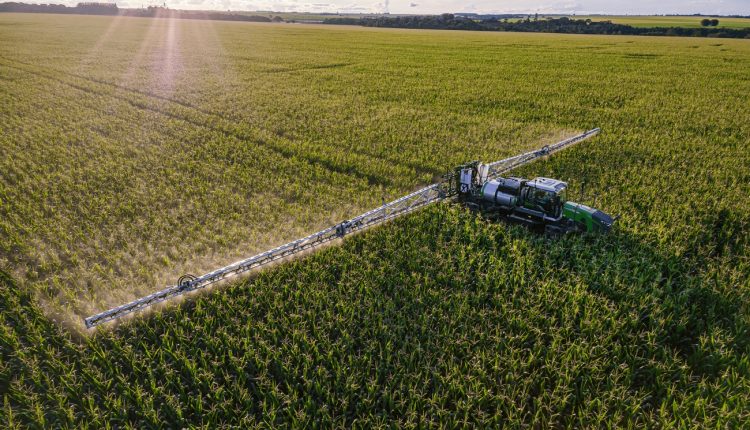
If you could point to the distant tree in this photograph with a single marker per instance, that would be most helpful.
(277, 19)
(447, 17)
(714, 22)
(705, 22)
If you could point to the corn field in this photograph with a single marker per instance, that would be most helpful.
(135, 150)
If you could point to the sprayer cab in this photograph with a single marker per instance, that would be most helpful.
(539, 202)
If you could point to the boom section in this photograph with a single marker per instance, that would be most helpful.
(401, 206)
(499, 167)
(388, 211)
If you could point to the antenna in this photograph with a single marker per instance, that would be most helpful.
(583, 185)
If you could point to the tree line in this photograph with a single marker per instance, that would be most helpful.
(80, 8)
(90, 8)
(547, 25)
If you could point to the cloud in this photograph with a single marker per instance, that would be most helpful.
(413, 5)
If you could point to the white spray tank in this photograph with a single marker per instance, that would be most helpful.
(502, 191)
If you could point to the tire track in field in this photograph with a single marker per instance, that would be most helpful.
(418, 168)
(300, 69)
(328, 164)
(351, 170)
(285, 153)
(87, 105)
(170, 134)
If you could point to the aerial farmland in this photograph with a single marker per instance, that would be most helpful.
(135, 150)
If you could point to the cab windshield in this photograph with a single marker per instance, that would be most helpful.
(545, 201)
(563, 195)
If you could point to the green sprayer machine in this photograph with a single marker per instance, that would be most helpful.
(539, 203)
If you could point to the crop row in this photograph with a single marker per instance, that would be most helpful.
(467, 323)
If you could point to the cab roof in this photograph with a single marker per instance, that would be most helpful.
(548, 184)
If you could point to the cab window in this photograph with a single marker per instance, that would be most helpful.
(544, 199)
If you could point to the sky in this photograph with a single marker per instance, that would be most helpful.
(580, 7)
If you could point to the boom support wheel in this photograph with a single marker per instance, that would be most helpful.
(185, 281)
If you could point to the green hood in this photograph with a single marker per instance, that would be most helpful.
(591, 219)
